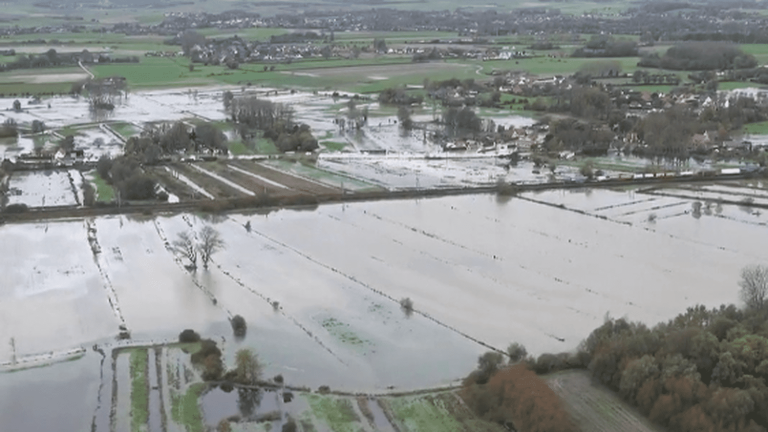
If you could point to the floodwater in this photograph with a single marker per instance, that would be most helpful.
(320, 289)
(44, 188)
(416, 171)
(52, 296)
(59, 397)
(477, 268)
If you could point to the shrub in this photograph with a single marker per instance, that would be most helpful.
(516, 352)
(323, 389)
(247, 367)
(407, 305)
(16, 208)
(89, 194)
(287, 396)
(189, 335)
(238, 326)
(547, 363)
(290, 426)
(516, 396)
(209, 359)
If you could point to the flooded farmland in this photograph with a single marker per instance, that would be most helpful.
(541, 270)
(97, 303)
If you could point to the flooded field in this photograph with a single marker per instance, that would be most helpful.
(97, 304)
(457, 258)
(45, 188)
(320, 292)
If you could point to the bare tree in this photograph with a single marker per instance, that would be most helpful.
(247, 366)
(754, 286)
(210, 243)
(185, 245)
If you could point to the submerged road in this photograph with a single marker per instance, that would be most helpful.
(301, 199)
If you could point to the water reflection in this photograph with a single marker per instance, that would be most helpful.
(225, 402)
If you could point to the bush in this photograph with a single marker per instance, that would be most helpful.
(407, 305)
(516, 396)
(89, 194)
(290, 426)
(209, 359)
(138, 187)
(516, 352)
(547, 363)
(16, 208)
(238, 326)
(323, 389)
(247, 367)
(189, 335)
(103, 167)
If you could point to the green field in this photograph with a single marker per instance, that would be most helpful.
(104, 192)
(337, 413)
(760, 128)
(731, 85)
(185, 408)
(126, 130)
(139, 389)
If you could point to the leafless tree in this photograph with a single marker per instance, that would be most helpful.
(754, 286)
(210, 243)
(185, 245)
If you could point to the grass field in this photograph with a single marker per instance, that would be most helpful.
(337, 413)
(104, 192)
(139, 390)
(760, 128)
(438, 412)
(126, 130)
(731, 85)
(185, 409)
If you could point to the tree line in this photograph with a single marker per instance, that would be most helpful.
(164, 139)
(251, 114)
(52, 58)
(700, 56)
(702, 371)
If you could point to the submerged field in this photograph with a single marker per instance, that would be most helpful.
(482, 271)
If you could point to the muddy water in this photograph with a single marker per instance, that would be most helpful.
(217, 405)
(121, 417)
(246, 404)
(478, 269)
(41, 189)
(518, 271)
(155, 424)
(380, 421)
(52, 296)
(60, 397)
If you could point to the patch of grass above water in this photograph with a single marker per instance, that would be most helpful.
(104, 192)
(341, 331)
(266, 146)
(238, 148)
(333, 145)
(139, 390)
(337, 413)
(126, 130)
(185, 409)
(421, 414)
